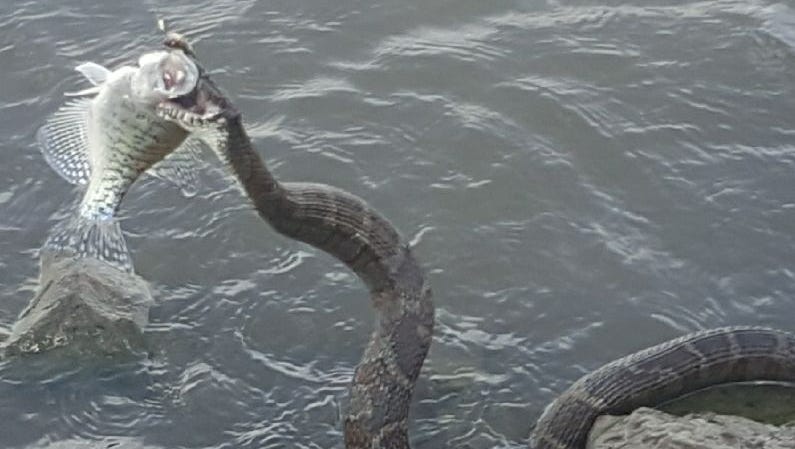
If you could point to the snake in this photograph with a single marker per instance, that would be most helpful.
(345, 226)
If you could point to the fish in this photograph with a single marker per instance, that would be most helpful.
(106, 136)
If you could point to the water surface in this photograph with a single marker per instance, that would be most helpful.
(581, 179)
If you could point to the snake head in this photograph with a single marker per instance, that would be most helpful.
(206, 107)
(203, 109)
(178, 41)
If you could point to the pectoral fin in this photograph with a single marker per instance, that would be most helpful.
(62, 140)
(95, 73)
(182, 166)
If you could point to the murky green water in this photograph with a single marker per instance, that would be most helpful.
(764, 402)
(582, 179)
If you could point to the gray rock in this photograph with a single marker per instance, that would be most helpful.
(652, 429)
(85, 305)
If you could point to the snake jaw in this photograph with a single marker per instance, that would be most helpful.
(189, 120)
(192, 120)
(202, 109)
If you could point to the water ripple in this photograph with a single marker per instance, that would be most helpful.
(568, 175)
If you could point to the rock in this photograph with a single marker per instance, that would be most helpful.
(652, 429)
(85, 305)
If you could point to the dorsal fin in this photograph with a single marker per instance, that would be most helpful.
(62, 141)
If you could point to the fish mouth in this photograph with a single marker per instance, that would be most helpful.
(173, 78)
(205, 101)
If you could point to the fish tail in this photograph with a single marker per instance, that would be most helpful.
(97, 238)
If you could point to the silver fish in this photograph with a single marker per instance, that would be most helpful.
(108, 137)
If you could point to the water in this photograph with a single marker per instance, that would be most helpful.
(582, 179)
(768, 403)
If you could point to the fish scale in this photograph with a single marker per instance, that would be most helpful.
(133, 145)
(109, 140)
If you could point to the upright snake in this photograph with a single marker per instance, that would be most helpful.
(346, 227)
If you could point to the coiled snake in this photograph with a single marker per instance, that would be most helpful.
(346, 227)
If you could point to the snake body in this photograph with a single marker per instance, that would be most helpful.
(346, 227)
(664, 372)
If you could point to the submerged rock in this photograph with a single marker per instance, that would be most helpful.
(652, 429)
(83, 304)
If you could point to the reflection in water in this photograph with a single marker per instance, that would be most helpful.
(82, 305)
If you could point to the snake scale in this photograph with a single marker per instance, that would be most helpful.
(344, 226)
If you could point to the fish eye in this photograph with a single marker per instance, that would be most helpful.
(173, 79)
(177, 75)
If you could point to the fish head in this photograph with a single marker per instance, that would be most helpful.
(205, 104)
(162, 75)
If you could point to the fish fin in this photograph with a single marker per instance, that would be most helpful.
(181, 167)
(82, 237)
(81, 93)
(62, 140)
(95, 73)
